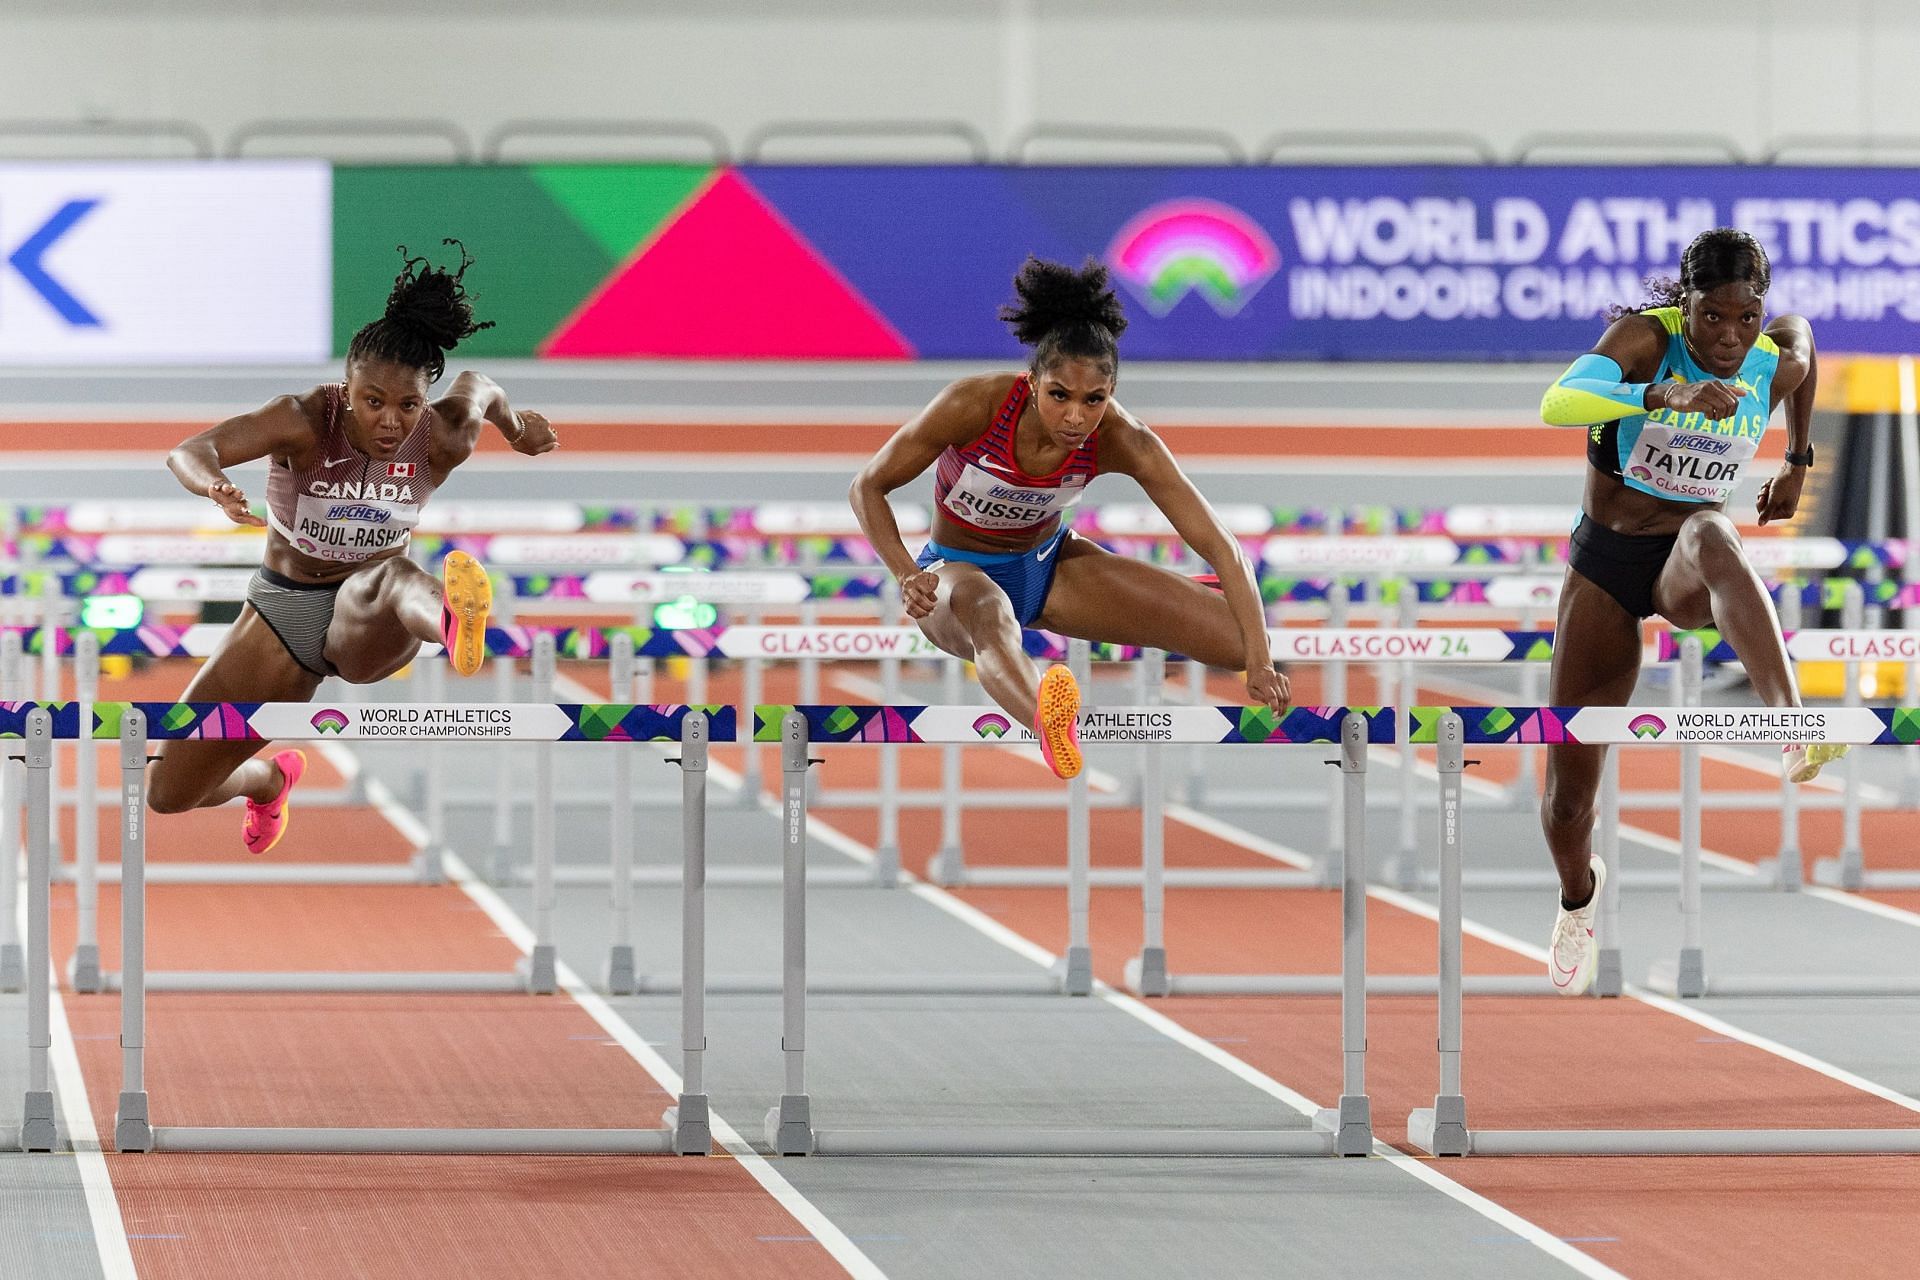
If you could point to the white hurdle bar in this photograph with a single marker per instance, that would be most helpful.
(1342, 1130)
(686, 1127)
(1443, 1129)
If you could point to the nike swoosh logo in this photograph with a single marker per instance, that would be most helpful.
(1047, 554)
(334, 462)
(984, 465)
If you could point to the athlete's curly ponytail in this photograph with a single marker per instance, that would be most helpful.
(1721, 256)
(428, 314)
(1065, 314)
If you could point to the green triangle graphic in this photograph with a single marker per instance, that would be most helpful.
(619, 206)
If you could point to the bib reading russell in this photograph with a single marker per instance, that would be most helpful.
(1684, 457)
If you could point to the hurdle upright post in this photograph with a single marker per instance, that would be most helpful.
(619, 975)
(38, 1131)
(1609, 978)
(1076, 965)
(539, 968)
(1909, 429)
(1406, 861)
(1352, 1120)
(886, 849)
(1690, 974)
(429, 864)
(132, 1123)
(949, 866)
(1151, 979)
(689, 1117)
(83, 971)
(753, 685)
(13, 678)
(1442, 1130)
(504, 778)
(1789, 867)
(1849, 869)
(789, 1129)
(1334, 681)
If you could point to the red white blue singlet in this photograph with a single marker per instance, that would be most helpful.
(981, 486)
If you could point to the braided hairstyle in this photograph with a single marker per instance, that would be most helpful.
(1064, 314)
(1724, 255)
(428, 314)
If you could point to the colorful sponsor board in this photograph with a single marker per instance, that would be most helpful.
(296, 722)
(1247, 726)
(165, 262)
(1676, 726)
(1233, 263)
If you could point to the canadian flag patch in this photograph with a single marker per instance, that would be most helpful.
(402, 470)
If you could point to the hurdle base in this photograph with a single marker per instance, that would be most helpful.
(1843, 872)
(1786, 871)
(691, 1125)
(428, 865)
(1685, 979)
(1074, 970)
(1032, 983)
(296, 1141)
(987, 1141)
(1609, 979)
(342, 873)
(886, 866)
(790, 1126)
(717, 877)
(39, 1131)
(1332, 984)
(1834, 986)
(949, 866)
(478, 983)
(539, 970)
(13, 967)
(1350, 1123)
(1131, 878)
(132, 1131)
(1146, 973)
(618, 978)
(1441, 1130)
(83, 970)
(1827, 873)
(1695, 1142)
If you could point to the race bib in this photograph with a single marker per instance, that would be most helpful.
(351, 529)
(1694, 466)
(988, 500)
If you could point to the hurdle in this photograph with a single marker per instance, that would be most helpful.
(1343, 1130)
(1443, 1129)
(686, 1126)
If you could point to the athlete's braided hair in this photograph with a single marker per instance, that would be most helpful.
(1063, 314)
(428, 314)
(1721, 256)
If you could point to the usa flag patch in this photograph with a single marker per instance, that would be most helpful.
(401, 470)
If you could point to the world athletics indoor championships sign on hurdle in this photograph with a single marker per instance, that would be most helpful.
(294, 721)
(1676, 726)
(1173, 724)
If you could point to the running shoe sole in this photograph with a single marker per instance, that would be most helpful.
(1057, 724)
(468, 596)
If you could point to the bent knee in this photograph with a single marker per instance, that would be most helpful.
(166, 794)
(1714, 540)
(982, 607)
(1561, 809)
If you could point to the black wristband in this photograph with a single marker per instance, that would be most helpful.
(1801, 459)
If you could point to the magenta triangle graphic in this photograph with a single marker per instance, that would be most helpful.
(729, 279)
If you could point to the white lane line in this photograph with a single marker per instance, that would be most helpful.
(516, 930)
(108, 1229)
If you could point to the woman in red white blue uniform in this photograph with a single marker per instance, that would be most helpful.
(1014, 453)
(350, 465)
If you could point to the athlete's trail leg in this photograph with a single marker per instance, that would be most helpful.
(1596, 662)
(1709, 583)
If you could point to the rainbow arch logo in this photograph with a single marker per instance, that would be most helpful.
(1193, 245)
(330, 720)
(1646, 726)
(992, 725)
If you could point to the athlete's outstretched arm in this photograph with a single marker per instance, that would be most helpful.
(954, 417)
(1797, 380)
(1612, 381)
(278, 429)
(471, 404)
(1129, 447)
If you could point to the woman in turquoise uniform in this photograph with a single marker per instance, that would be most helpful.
(1675, 399)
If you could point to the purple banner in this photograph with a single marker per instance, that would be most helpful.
(1429, 262)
